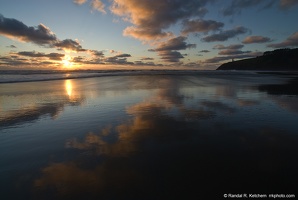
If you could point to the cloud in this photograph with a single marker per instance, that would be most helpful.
(232, 49)
(141, 63)
(39, 58)
(233, 46)
(291, 41)
(119, 59)
(32, 58)
(170, 56)
(168, 50)
(113, 51)
(200, 25)
(225, 35)
(146, 33)
(177, 43)
(150, 19)
(204, 51)
(83, 60)
(52, 56)
(255, 39)
(13, 28)
(147, 58)
(232, 52)
(286, 4)
(124, 55)
(95, 5)
(78, 59)
(99, 58)
(96, 53)
(13, 61)
(55, 56)
(31, 54)
(237, 6)
(98, 5)
(69, 44)
(80, 2)
(40, 35)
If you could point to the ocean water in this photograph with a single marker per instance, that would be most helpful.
(147, 134)
(13, 76)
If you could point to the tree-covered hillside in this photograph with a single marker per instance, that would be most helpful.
(277, 60)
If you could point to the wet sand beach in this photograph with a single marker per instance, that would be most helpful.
(149, 137)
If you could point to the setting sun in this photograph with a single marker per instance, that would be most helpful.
(66, 61)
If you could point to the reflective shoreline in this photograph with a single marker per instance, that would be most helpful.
(146, 137)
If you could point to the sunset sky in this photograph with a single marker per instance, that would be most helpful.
(105, 34)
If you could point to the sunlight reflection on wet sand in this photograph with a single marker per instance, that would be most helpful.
(148, 137)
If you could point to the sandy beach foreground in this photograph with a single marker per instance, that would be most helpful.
(149, 137)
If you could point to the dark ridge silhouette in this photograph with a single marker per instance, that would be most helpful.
(277, 60)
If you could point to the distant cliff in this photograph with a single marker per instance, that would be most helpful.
(277, 60)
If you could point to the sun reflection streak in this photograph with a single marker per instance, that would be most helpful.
(68, 88)
(71, 90)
